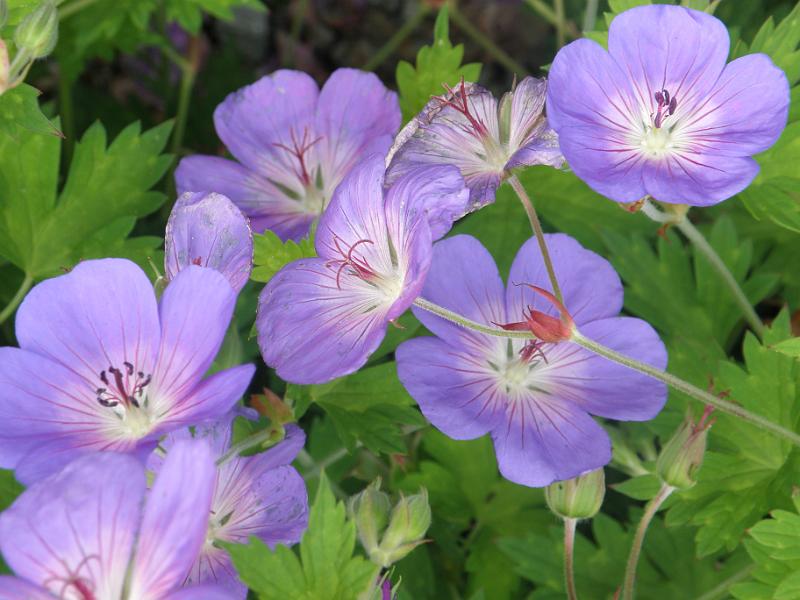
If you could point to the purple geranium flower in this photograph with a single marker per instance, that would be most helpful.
(260, 495)
(320, 318)
(485, 139)
(208, 230)
(534, 398)
(295, 143)
(83, 533)
(103, 366)
(660, 113)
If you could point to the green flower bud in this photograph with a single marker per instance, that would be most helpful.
(682, 455)
(370, 511)
(4, 68)
(578, 498)
(38, 33)
(410, 520)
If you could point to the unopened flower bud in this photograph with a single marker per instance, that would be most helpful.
(682, 455)
(578, 498)
(410, 520)
(37, 34)
(4, 67)
(370, 511)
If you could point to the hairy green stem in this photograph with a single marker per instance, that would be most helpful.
(398, 38)
(544, 10)
(569, 557)
(590, 15)
(70, 9)
(12, 305)
(561, 22)
(468, 323)
(721, 591)
(699, 241)
(638, 539)
(536, 225)
(687, 388)
(674, 382)
(251, 441)
(486, 42)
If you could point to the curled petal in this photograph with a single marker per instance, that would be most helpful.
(207, 230)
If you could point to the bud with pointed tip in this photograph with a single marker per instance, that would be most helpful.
(578, 498)
(4, 67)
(370, 511)
(682, 455)
(410, 520)
(37, 34)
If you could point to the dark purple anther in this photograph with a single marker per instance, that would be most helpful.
(666, 106)
(125, 388)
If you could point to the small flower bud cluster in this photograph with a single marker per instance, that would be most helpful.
(407, 523)
(578, 498)
(35, 37)
(682, 456)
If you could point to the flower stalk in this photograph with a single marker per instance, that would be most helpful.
(15, 301)
(699, 241)
(536, 225)
(569, 558)
(674, 382)
(638, 539)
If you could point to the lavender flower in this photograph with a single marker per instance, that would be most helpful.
(295, 143)
(320, 318)
(534, 398)
(82, 533)
(660, 113)
(258, 495)
(469, 129)
(103, 366)
(208, 230)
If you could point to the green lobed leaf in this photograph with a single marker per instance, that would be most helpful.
(271, 254)
(326, 568)
(744, 461)
(20, 114)
(436, 65)
(789, 347)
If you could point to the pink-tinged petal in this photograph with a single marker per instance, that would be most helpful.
(543, 439)
(543, 149)
(697, 178)
(527, 112)
(195, 311)
(175, 521)
(206, 592)
(441, 134)
(436, 191)
(454, 386)
(744, 114)
(354, 109)
(212, 399)
(102, 314)
(45, 408)
(669, 48)
(255, 121)
(463, 278)
(267, 206)
(14, 588)
(206, 229)
(312, 331)
(608, 389)
(590, 286)
(78, 525)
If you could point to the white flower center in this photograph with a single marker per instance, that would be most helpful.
(657, 142)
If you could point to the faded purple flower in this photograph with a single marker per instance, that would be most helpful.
(660, 113)
(321, 318)
(260, 495)
(208, 230)
(485, 139)
(294, 144)
(534, 398)
(83, 533)
(103, 366)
